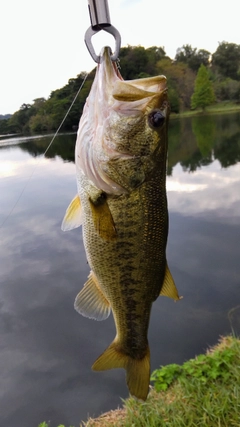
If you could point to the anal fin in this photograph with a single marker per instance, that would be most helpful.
(91, 302)
(73, 215)
(169, 288)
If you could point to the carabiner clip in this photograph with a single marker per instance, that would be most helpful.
(100, 20)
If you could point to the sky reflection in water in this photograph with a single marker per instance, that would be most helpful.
(46, 348)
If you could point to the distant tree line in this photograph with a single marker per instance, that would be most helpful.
(5, 116)
(195, 79)
(194, 143)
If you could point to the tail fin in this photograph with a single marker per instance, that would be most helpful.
(138, 370)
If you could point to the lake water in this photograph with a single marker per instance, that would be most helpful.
(46, 347)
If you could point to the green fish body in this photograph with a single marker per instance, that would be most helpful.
(120, 156)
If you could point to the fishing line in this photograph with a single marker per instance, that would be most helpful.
(68, 111)
(49, 145)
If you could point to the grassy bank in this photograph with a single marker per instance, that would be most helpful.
(203, 392)
(220, 107)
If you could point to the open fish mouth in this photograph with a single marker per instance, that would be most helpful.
(115, 110)
(112, 82)
(108, 66)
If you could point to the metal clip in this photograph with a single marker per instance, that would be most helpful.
(100, 20)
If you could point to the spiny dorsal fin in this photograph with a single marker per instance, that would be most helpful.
(169, 288)
(91, 302)
(73, 215)
(103, 220)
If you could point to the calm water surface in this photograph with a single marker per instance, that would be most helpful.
(46, 348)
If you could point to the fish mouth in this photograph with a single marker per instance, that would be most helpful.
(107, 76)
(109, 67)
(113, 84)
(114, 107)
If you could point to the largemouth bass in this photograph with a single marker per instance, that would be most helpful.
(120, 158)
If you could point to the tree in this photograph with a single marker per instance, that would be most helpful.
(136, 60)
(192, 57)
(18, 122)
(154, 54)
(4, 128)
(203, 91)
(227, 89)
(226, 60)
(180, 82)
(185, 53)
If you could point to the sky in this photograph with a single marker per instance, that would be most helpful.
(42, 42)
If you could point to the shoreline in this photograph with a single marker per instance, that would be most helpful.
(220, 108)
(184, 399)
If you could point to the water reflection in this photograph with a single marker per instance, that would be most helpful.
(211, 190)
(204, 133)
(193, 142)
(46, 348)
(63, 147)
(198, 141)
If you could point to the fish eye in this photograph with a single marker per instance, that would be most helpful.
(156, 118)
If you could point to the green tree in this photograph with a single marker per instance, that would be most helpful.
(180, 82)
(136, 59)
(226, 60)
(154, 54)
(203, 90)
(192, 57)
(18, 122)
(4, 128)
(227, 89)
(185, 53)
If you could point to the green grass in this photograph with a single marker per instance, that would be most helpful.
(44, 424)
(220, 107)
(203, 392)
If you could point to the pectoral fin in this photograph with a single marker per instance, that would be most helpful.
(169, 288)
(91, 302)
(73, 215)
(103, 220)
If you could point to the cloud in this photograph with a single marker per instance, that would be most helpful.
(209, 189)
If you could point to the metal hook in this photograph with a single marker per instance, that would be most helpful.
(100, 20)
(112, 30)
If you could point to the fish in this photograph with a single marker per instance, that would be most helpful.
(121, 204)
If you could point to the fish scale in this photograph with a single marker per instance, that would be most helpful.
(121, 153)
